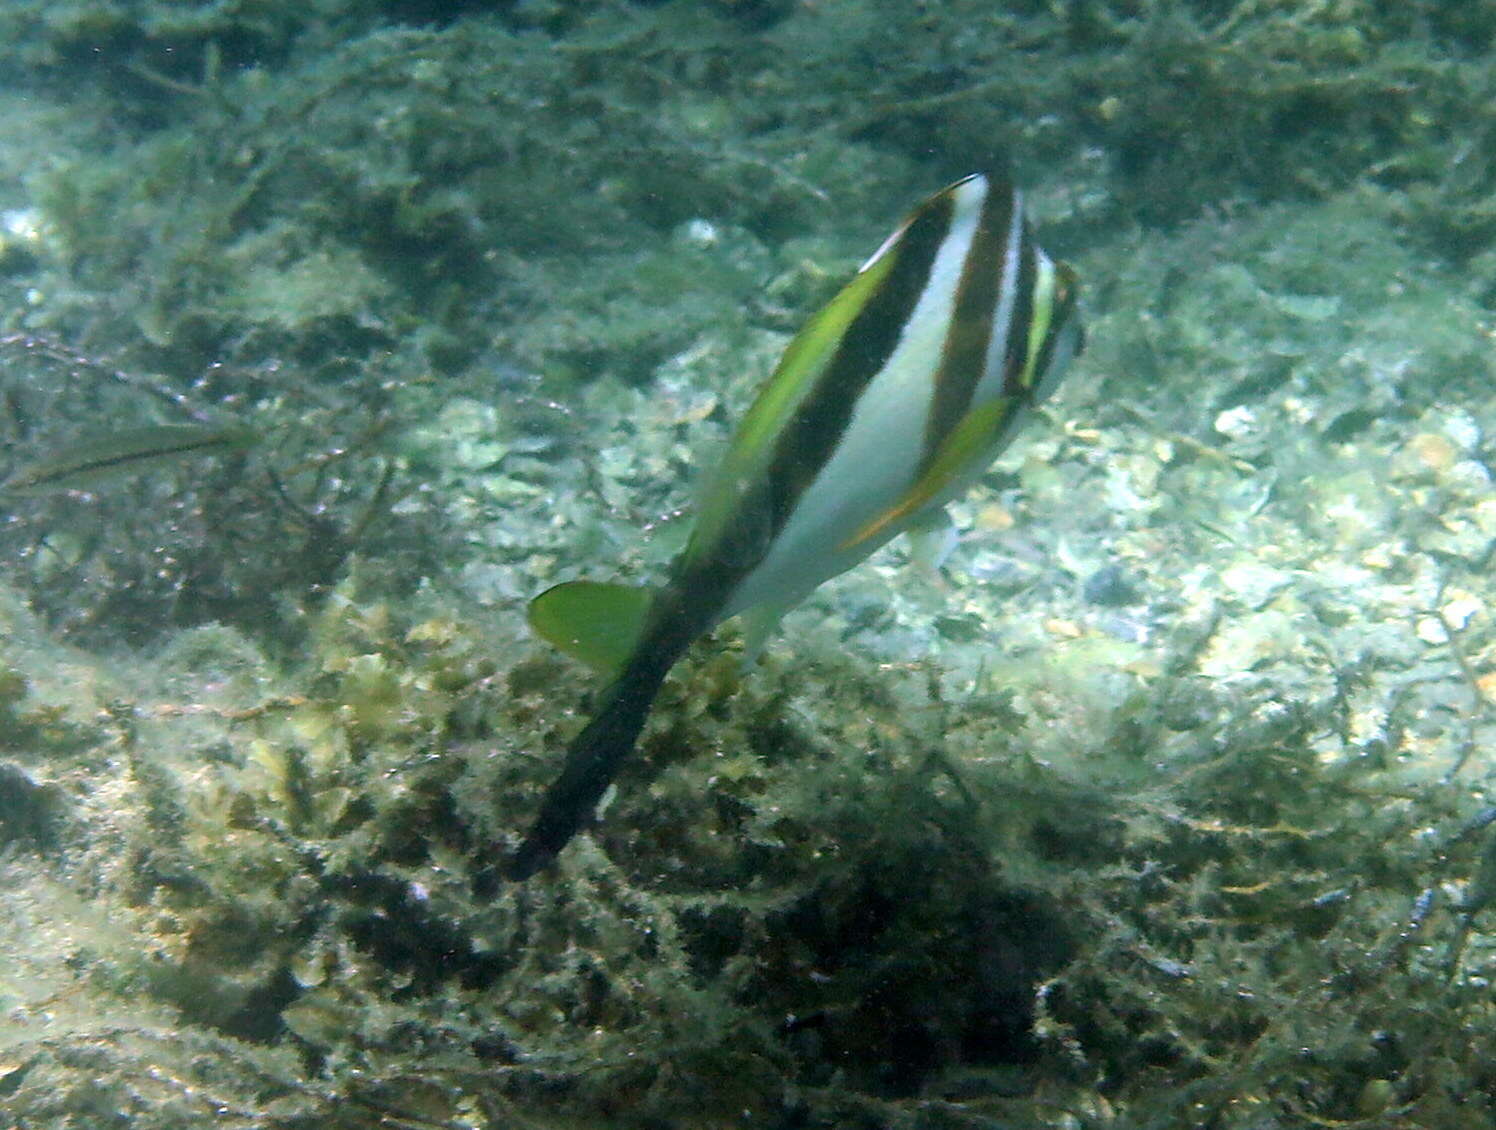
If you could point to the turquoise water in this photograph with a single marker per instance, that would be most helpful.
(1162, 802)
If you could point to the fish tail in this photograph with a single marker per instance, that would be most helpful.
(592, 761)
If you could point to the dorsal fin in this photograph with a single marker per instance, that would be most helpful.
(594, 622)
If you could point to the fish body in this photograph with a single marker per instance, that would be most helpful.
(126, 452)
(887, 404)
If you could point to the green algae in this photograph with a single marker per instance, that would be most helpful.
(752, 126)
(872, 902)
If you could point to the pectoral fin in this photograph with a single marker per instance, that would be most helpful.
(597, 623)
(759, 623)
(931, 538)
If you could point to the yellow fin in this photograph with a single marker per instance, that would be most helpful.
(597, 623)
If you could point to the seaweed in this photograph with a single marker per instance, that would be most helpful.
(126, 558)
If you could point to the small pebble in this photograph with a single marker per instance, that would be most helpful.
(1109, 587)
(1433, 451)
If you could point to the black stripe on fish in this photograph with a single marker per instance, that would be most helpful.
(973, 323)
(805, 446)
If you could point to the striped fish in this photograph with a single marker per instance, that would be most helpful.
(886, 405)
(128, 452)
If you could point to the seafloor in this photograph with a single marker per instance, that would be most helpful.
(1165, 804)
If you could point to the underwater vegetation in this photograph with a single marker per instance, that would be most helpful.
(918, 910)
(1166, 803)
(398, 177)
(122, 526)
